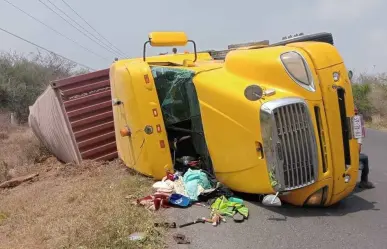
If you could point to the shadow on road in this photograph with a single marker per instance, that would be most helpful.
(351, 204)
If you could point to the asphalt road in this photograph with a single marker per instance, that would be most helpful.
(359, 221)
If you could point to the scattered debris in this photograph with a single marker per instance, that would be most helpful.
(163, 186)
(234, 207)
(271, 201)
(195, 182)
(17, 181)
(216, 218)
(154, 202)
(200, 220)
(181, 239)
(195, 187)
(166, 225)
(137, 236)
(200, 204)
(179, 200)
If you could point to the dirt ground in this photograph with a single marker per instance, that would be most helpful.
(69, 206)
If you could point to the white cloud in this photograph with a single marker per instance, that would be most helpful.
(345, 10)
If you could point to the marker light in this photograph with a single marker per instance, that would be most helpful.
(155, 114)
(146, 78)
(336, 76)
(125, 132)
(297, 68)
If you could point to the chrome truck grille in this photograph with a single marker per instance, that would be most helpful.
(289, 143)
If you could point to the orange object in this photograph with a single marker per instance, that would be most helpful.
(125, 132)
(146, 78)
(155, 113)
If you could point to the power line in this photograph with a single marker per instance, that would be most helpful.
(73, 25)
(111, 44)
(45, 49)
(56, 31)
(64, 19)
(85, 30)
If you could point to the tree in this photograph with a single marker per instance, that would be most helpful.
(23, 78)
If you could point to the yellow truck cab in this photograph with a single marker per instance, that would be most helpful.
(275, 119)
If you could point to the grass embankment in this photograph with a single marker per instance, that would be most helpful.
(69, 206)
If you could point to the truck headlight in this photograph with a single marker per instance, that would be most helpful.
(298, 69)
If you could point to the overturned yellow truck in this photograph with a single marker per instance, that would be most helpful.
(273, 119)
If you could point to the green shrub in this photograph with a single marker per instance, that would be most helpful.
(24, 78)
(362, 100)
(370, 96)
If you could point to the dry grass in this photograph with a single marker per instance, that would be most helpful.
(69, 206)
(19, 150)
(378, 99)
(378, 123)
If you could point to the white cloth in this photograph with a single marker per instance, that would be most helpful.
(179, 186)
(164, 187)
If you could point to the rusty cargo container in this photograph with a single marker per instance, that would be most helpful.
(73, 118)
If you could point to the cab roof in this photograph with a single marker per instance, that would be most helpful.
(204, 61)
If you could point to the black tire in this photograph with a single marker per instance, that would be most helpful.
(318, 37)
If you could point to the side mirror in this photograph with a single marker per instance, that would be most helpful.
(271, 201)
(350, 74)
(167, 39)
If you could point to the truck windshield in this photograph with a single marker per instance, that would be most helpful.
(180, 107)
(176, 94)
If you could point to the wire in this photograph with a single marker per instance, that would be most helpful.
(82, 32)
(111, 44)
(85, 30)
(139, 154)
(64, 19)
(56, 31)
(45, 49)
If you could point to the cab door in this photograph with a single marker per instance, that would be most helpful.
(136, 110)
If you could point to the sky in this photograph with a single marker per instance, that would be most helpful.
(356, 25)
